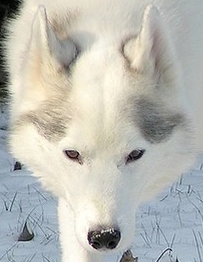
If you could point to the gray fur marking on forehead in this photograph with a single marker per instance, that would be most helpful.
(155, 122)
(50, 119)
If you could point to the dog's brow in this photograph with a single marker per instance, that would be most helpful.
(156, 124)
(51, 120)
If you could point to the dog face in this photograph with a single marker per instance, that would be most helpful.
(102, 129)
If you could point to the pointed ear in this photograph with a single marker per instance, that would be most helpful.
(45, 48)
(151, 50)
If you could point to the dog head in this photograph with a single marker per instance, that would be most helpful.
(104, 128)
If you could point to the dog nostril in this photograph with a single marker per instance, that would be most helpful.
(96, 244)
(111, 244)
(107, 238)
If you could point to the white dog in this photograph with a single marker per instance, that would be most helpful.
(106, 108)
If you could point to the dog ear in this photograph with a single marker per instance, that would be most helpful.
(45, 48)
(151, 50)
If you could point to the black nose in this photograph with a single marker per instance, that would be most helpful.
(106, 238)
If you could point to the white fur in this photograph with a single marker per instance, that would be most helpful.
(123, 49)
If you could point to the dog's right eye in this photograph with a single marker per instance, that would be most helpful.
(73, 155)
(134, 155)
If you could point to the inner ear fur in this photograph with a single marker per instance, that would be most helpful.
(46, 50)
(151, 50)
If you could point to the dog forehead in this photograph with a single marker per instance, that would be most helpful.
(101, 138)
(99, 84)
(99, 96)
(99, 64)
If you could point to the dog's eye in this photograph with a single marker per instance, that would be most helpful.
(73, 155)
(134, 155)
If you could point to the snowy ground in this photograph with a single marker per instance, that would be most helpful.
(174, 219)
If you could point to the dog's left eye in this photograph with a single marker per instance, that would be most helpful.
(73, 155)
(134, 155)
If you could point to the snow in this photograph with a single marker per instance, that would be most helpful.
(173, 219)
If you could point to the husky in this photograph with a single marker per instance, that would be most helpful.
(106, 108)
